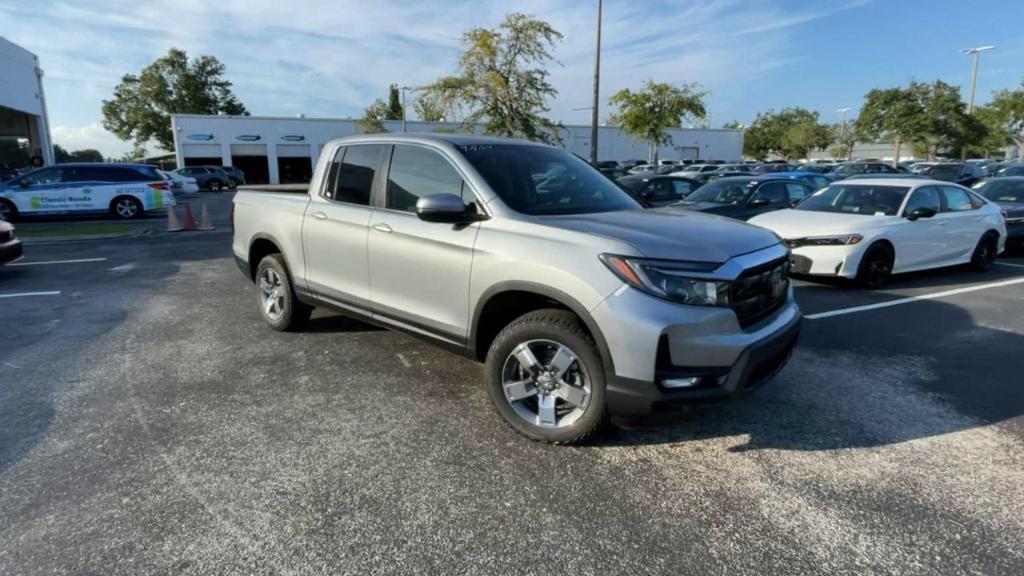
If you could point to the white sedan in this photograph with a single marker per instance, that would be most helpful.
(122, 190)
(870, 228)
(189, 185)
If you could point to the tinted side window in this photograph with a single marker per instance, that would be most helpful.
(355, 177)
(681, 187)
(797, 192)
(331, 183)
(126, 175)
(957, 199)
(772, 191)
(90, 174)
(927, 197)
(40, 177)
(416, 172)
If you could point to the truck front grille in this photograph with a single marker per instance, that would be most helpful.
(760, 291)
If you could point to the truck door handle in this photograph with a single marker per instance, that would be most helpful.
(382, 227)
(318, 215)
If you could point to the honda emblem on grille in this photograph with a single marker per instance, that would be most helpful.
(778, 282)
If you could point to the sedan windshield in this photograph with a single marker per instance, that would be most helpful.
(538, 180)
(1006, 191)
(867, 200)
(724, 191)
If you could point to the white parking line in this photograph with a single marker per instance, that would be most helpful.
(1010, 264)
(22, 294)
(934, 296)
(78, 261)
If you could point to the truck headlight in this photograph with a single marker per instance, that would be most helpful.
(669, 280)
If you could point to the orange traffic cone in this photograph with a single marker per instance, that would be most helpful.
(172, 221)
(190, 223)
(205, 221)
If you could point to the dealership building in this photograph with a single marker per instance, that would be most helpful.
(280, 150)
(24, 126)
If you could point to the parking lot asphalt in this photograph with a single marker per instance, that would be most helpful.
(151, 424)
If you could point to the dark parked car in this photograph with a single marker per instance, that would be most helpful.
(607, 164)
(235, 175)
(654, 190)
(705, 177)
(816, 181)
(7, 173)
(994, 168)
(769, 167)
(1015, 169)
(850, 169)
(1008, 193)
(962, 174)
(816, 167)
(614, 173)
(10, 245)
(207, 177)
(744, 197)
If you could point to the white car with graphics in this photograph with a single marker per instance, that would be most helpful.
(867, 229)
(122, 190)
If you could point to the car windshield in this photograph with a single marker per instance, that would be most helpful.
(864, 199)
(943, 171)
(1001, 191)
(851, 169)
(539, 180)
(724, 191)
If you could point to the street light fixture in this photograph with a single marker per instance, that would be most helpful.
(842, 132)
(404, 89)
(974, 72)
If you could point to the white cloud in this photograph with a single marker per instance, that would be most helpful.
(89, 136)
(334, 59)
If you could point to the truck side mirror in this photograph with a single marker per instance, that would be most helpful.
(444, 208)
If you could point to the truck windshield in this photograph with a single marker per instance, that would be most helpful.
(864, 199)
(537, 180)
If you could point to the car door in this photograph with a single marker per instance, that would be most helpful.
(419, 271)
(660, 192)
(964, 223)
(336, 227)
(922, 242)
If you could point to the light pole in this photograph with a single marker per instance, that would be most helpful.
(597, 85)
(842, 133)
(975, 52)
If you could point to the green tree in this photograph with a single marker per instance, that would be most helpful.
(895, 114)
(141, 107)
(1007, 117)
(394, 111)
(791, 132)
(646, 114)
(947, 124)
(843, 140)
(429, 108)
(62, 156)
(734, 125)
(373, 118)
(996, 137)
(501, 79)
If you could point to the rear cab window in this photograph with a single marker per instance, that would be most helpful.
(356, 170)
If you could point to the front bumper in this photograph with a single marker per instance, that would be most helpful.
(755, 365)
(11, 251)
(826, 260)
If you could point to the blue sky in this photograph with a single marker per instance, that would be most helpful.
(332, 59)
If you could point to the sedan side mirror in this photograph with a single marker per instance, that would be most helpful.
(445, 208)
(920, 213)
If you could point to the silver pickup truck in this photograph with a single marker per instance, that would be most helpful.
(581, 303)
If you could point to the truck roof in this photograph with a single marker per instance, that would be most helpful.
(453, 139)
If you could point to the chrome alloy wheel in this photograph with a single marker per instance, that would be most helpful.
(546, 384)
(271, 293)
(126, 208)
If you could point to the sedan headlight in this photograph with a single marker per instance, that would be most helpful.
(840, 240)
(669, 280)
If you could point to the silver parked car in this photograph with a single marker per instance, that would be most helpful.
(581, 303)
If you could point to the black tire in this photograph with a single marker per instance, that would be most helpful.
(287, 313)
(875, 267)
(232, 183)
(560, 328)
(216, 186)
(8, 211)
(126, 208)
(985, 252)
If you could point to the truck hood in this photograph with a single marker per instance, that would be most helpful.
(803, 223)
(670, 233)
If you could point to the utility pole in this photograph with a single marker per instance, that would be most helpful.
(842, 133)
(975, 52)
(404, 88)
(597, 87)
